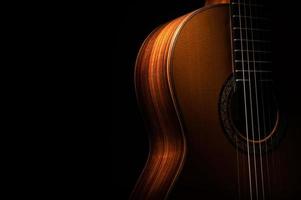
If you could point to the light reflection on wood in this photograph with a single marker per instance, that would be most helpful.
(211, 2)
(167, 143)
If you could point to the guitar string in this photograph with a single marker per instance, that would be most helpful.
(256, 98)
(274, 171)
(245, 100)
(258, 13)
(265, 125)
(250, 98)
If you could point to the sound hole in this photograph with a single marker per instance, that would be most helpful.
(264, 125)
(254, 116)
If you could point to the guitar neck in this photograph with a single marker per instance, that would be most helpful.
(251, 39)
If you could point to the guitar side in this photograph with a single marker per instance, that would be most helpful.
(180, 72)
(167, 142)
(154, 89)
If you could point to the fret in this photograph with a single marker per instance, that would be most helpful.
(252, 50)
(251, 23)
(247, 80)
(252, 74)
(257, 35)
(252, 61)
(249, 10)
(253, 66)
(249, 40)
(247, 4)
(238, 80)
(252, 45)
(254, 71)
(252, 56)
(266, 80)
(251, 17)
(252, 29)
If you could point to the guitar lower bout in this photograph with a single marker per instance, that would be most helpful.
(211, 135)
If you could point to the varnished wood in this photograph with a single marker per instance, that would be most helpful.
(167, 145)
(180, 72)
(201, 65)
(211, 2)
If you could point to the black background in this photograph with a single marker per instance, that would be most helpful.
(130, 22)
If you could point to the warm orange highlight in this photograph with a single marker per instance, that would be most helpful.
(167, 145)
(211, 2)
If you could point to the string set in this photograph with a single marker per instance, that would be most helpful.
(252, 117)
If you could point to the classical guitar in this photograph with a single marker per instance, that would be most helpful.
(204, 82)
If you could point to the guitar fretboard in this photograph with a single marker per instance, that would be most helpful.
(252, 45)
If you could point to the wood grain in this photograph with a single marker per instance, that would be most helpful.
(201, 63)
(180, 72)
(167, 143)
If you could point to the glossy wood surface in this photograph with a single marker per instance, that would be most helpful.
(202, 63)
(180, 72)
(211, 2)
(167, 142)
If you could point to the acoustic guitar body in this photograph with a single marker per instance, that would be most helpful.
(186, 91)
